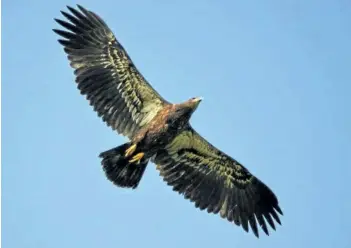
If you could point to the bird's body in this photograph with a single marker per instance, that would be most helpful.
(158, 130)
(164, 127)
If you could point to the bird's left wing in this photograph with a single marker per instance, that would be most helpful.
(105, 74)
(217, 182)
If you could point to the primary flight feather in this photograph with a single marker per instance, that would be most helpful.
(158, 130)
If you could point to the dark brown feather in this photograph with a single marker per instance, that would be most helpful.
(216, 182)
(105, 74)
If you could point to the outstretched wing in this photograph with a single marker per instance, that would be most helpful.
(217, 182)
(106, 74)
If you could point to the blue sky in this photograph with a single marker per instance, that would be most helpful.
(275, 77)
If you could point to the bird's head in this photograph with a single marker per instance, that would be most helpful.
(187, 108)
(194, 102)
(191, 104)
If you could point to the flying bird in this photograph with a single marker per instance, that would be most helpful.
(158, 131)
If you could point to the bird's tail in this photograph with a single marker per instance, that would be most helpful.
(119, 170)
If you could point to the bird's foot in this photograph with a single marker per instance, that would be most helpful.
(137, 158)
(130, 151)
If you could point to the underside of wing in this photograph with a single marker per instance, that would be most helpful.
(105, 74)
(216, 182)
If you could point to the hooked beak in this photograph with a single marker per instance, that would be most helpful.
(198, 99)
(196, 102)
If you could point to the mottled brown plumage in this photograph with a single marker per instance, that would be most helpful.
(158, 130)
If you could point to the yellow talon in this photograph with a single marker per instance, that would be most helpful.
(137, 158)
(130, 150)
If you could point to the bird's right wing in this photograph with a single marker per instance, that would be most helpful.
(106, 74)
(217, 182)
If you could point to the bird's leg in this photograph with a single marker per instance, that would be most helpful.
(130, 150)
(136, 158)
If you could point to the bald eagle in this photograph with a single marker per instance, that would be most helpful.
(158, 131)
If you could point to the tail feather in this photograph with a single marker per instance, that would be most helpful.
(119, 170)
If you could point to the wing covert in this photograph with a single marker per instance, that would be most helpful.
(105, 74)
(216, 182)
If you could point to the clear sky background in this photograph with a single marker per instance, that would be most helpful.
(276, 82)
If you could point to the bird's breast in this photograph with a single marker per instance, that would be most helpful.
(160, 131)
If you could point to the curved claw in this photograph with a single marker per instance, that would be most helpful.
(130, 150)
(137, 158)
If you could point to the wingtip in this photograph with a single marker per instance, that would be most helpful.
(81, 7)
(71, 9)
(265, 231)
(55, 30)
(279, 210)
(64, 13)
